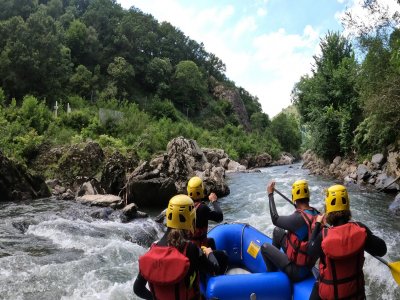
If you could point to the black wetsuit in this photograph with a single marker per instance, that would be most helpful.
(198, 262)
(273, 257)
(373, 245)
(204, 214)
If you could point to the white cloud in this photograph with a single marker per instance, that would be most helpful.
(267, 65)
(261, 12)
(245, 25)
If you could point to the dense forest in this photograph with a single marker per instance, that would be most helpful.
(121, 78)
(78, 70)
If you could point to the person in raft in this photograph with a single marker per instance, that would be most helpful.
(172, 265)
(340, 246)
(204, 213)
(291, 233)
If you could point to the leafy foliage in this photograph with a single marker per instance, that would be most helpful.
(328, 100)
(92, 55)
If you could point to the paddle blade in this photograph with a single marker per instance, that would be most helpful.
(395, 269)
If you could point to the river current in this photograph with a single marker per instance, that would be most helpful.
(52, 249)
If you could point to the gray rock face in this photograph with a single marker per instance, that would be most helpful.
(153, 184)
(233, 96)
(377, 159)
(101, 200)
(114, 173)
(17, 184)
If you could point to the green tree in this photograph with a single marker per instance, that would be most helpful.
(287, 130)
(188, 86)
(330, 92)
(122, 74)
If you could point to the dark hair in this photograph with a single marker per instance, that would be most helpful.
(176, 238)
(303, 201)
(338, 217)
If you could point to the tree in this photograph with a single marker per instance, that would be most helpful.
(121, 73)
(330, 97)
(158, 74)
(189, 87)
(287, 130)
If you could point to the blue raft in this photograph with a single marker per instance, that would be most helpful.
(243, 243)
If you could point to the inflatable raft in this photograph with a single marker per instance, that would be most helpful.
(243, 243)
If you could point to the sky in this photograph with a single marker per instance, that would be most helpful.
(266, 45)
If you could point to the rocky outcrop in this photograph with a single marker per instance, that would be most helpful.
(374, 173)
(258, 161)
(101, 200)
(285, 159)
(81, 160)
(154, 183)
(113, 177)
(232, 96)
(18, 184)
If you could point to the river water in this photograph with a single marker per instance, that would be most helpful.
(53, 249)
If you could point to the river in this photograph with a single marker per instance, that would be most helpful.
(52, 249)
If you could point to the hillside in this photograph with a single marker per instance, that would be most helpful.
(63, 63)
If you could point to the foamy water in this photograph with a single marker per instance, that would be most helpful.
(53, 249)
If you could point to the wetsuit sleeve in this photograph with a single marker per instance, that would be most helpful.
(140, 289)
(200, 262)
(374, 245)
(216, 214)
(314, 246)
(291, 222)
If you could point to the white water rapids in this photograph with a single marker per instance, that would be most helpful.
(53, 249)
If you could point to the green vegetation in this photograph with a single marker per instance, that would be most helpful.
(352, 106)
(132, 84)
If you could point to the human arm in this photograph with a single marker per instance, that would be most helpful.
(373, 244)
(292, 222)
(202, 260)
(140, 289)
(215, 214)
(314, 249)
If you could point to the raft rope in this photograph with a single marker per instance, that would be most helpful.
(241, 241)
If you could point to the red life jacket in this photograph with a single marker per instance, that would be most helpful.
(165, 269)
(341, 274)
(296, 250)
(199, 236)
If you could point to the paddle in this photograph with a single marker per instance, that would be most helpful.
(394, 266)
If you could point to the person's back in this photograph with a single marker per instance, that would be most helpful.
(178, 274)
(340, 247)
(204, 213)
(291, 234)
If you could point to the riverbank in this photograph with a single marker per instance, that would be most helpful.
(380, 172)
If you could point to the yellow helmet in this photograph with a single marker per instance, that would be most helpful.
(181, 213)
(300, 190)
(195, 188)
(337, 199)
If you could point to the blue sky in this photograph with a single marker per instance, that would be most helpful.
(266, 44)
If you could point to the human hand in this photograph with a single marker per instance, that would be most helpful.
(212, 197)
(271, 187)
(206, 250)
(320, 219)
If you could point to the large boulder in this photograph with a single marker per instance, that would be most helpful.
(113, 176)
(17, 184)
(259, 161)
(81, 160)
(153, 183)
